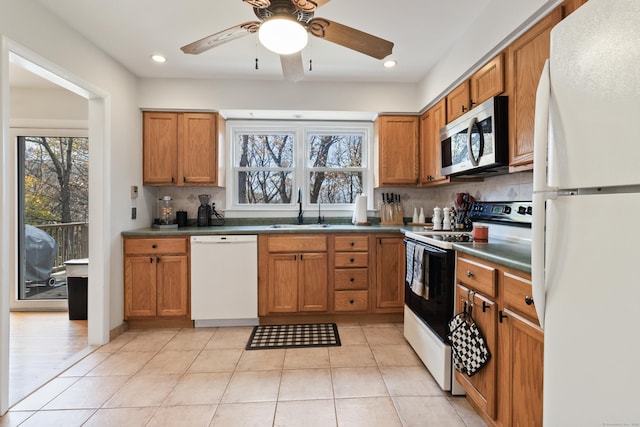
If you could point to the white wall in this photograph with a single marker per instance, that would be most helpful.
(30, 31)
(38, 106)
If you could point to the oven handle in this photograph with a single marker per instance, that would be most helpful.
(431, 249)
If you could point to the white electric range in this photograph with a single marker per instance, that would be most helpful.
(430, 306)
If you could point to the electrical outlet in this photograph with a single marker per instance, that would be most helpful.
(134, 213)
(134, 192)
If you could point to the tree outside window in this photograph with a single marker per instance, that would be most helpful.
(330, 162)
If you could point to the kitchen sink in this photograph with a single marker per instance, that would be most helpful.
(299, 226)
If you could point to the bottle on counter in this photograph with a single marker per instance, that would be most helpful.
(421, 216)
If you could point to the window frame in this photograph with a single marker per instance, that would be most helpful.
(301, 170)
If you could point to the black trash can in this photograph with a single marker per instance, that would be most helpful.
(77, 282)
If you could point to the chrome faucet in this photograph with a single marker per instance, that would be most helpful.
(299, 202)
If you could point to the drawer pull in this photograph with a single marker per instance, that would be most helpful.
(469, 273)
(351, 301)
(352, 243)
(154, 246)
(351, 260)
(528, 300)
(351, 279)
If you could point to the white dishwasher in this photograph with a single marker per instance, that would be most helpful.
(224, 280)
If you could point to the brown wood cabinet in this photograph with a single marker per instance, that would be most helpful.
(398, 151)
(156, 278)
(292, 274)
(351, 273)
(525, 60)
(508, 390)
(571, 5)
(485, 83)
(431, 122)
(390, 273)
(180, 149)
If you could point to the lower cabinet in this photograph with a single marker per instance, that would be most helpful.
(508, 390)
(331, 274)
(292, 273)
(156, 278)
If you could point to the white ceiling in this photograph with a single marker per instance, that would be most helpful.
(130, 31)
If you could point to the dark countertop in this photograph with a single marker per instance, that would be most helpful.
(262, 229)
(509, 254)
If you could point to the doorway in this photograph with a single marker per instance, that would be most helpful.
(98, 302)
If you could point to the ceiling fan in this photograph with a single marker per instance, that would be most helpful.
(300, 14)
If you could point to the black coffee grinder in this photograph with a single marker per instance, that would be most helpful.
(204, 210)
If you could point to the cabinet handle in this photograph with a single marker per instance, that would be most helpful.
(295, 257)
(502, 316)
(173, 179)
(301, 257)
(150, 260)
(469, 273)
(485, 306)
(528, 300)
(184, 179)
(157, 259)
(472, 102)
(464, 108)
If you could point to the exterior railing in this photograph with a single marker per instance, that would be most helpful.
(72, 239)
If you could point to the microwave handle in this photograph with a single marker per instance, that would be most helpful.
(472, 123)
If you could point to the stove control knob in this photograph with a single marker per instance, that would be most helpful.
(522, 210)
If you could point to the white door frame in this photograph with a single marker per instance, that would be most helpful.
(99, 195)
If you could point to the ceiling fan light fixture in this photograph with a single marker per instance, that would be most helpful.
(283, 35)
(156, 57)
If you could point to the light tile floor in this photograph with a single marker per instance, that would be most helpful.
(204, 377)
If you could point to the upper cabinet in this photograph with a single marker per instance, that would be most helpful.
(398, 150)
(571, 5)
(485, 83)
(526, 58)
(431, 122)
(181, 149)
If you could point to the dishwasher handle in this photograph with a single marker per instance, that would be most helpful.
(224, 239)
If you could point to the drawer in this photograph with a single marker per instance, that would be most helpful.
(292, 243)
(516, 290)
(155, 246)
(351, 259)
(481, 277)
(351, 300)
(351, 278)
(351, 243)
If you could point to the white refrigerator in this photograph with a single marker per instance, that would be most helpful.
(586, 233)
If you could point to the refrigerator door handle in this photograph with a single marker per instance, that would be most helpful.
(538, 279)
(541, 131)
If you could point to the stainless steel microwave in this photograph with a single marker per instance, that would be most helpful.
(477, 143)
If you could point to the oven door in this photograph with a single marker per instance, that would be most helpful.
(435, 309)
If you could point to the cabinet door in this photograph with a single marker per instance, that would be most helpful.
(283, 283)
(482, 387)
(160, 148)
(571, 5)
(458, 101)
(199, 148)
(430, 124)
(172, 286)
(312, 287)
(526, 58)
(139, 286)
(398, 150)
(390, 274)
(488, 81)
(522, 370)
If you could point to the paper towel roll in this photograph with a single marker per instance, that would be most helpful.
(360, 210)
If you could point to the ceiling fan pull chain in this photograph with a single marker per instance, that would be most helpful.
(310, 55)
(310, 65)
(257, 67)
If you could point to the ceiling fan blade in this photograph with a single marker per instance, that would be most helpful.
(221, 37)
(350, 38)
(308, 5)
(292, 67)
(260, 4)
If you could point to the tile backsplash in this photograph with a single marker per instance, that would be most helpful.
(510, 187)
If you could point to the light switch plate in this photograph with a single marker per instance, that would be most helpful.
(134, 191)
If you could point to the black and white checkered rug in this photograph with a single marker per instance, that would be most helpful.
(288, 336)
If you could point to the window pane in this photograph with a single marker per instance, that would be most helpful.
(335, 187)
(264, 187)
(262, 150)
(335, 151)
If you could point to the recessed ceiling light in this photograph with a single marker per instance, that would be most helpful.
(159, 58)
(390, 63)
